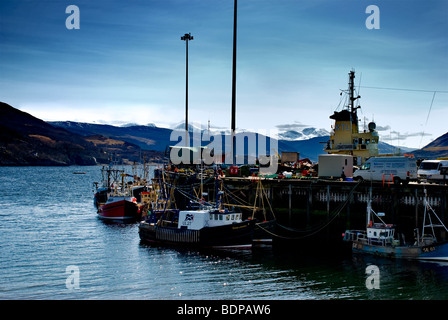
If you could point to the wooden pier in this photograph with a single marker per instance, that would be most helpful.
(316, 210)
(324, 209)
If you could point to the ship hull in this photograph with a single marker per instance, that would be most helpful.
(437, 251)
(233, 236)
(119, 210)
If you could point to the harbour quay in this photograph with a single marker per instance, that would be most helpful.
(317, 210)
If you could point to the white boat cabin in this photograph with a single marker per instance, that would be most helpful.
(112, 199)
(198, 219)
(380, 232)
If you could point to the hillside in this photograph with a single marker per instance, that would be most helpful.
(435, 149)
(146, 137)
(28, 141)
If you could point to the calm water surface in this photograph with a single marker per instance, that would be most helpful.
(48, 223)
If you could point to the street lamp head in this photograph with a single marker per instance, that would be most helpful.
(187, 36)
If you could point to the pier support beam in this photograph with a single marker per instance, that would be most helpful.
(348, 216)
(290, 208)
(443, 210)
(307, 196)
(416, 207)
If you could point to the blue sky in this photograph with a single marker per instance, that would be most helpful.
(126, 63)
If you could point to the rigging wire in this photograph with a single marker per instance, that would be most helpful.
(309, 231)
(359, 90)
(414, 90)
(404, 89)
(430, 107)
(318, 228)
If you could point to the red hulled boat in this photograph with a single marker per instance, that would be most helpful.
(119, 208)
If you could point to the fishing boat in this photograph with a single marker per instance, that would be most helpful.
(202, 225)
(102, 190)
(205, 228)
(121, 198)
(125, 201)
(118, 199)
(119, 207)
(380, 238)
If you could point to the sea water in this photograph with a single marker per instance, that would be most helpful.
(54, 246)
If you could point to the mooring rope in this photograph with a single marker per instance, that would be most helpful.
(311, 232)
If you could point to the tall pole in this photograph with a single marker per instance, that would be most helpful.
(187, 37)
(234, 84)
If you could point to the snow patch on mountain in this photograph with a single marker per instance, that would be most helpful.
(302, 134)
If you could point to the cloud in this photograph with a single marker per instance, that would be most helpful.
(395, 135)
(382, 128)
(291, 126)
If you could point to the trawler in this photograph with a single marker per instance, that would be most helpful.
(380, 239)
(201, 225)
(346, 137)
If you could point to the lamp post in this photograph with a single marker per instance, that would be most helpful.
(186, 37)
(233, 123)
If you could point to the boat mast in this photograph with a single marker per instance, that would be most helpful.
(427, 210)
(369, 207)
(352, 108)
(202, 182)
(351, 87)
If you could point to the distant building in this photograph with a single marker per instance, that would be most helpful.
(288, 156)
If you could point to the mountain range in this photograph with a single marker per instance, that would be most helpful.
(309, 141)
(27, 140)
(155, 138)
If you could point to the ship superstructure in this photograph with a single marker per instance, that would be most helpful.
(345, 137)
